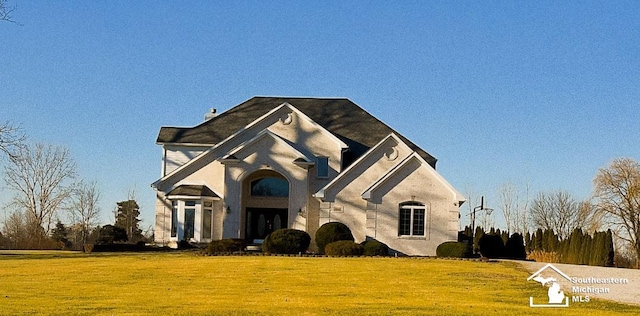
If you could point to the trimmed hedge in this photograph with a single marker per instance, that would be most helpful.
(286, 241)
(373, 247)
(453, 249)
(225, 245)
(344, 248)
(332, 232)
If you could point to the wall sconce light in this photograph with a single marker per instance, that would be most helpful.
(228, 209)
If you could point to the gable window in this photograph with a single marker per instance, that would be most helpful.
(411, 219)
(270, 186)
(322, 167)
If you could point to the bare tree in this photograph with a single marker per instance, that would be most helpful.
(508, 194)
(617, 189)
(6, 11)
(514, 206)
(11, 139)
(42, 176)
(557, 211)
(84, 209)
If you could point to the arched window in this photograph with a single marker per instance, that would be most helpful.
(411, 219)
(270, 186)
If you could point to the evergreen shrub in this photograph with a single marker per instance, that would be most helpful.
(286, 241)
(453, 249)
(332, 232)
(374, 247)
(491, 246)
(225, 245)
(344, 248)
(514, 248)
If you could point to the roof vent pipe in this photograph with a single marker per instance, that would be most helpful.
(211, 114)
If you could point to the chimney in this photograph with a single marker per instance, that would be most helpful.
(211, 114)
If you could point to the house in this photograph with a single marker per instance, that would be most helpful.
(271, 163)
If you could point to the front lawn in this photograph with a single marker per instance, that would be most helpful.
(185, 284)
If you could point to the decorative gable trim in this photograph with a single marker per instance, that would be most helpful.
(321, 193)
(302, 158)
(368, 193)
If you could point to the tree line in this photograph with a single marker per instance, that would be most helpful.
(46, 188)
(614, 207)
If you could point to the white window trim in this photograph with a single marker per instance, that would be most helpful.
(411, 218)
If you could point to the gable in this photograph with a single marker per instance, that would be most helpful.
(341, 117)
(378, 160)
(303, 134)
(417, 174)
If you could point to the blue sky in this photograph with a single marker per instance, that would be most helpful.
(533, 92)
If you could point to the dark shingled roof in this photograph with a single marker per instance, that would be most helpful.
(346, 120)
(193, 190)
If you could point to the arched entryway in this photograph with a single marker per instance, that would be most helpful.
(265, 203)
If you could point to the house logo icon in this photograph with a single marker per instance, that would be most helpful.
(548, 276)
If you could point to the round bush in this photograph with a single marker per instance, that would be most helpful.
(344, 248)
(491, 246)
(332, 232)
(453, 249)
(373, 247)
(225, 245)
(286, 241)
(514, 248)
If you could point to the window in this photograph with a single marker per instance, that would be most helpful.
(411, 219)
(270, 186)
(174, 219)
(189, 219)
(207, 212)
(322, 167)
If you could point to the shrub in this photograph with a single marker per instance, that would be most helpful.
(332, 232)
(373, 247)
(491, 246)
(514, 249)
(225, 245)
(344, 248)
(109, 234)
(453, 249)
(286, 241)
(544, 256)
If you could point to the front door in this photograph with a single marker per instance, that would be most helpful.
(262, 221)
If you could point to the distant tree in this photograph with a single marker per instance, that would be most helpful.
(127, 219)
(60, 234)
(557, 211)
(617, 189)
(575, 245)
(11, 137)
(84, 210)
(15, 230)
(514, 206)
(42, 177)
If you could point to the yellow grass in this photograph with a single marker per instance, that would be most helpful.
(184, 284)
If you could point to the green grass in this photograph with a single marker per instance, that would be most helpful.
(67, 283)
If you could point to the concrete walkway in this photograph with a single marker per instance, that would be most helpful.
(587, 278)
